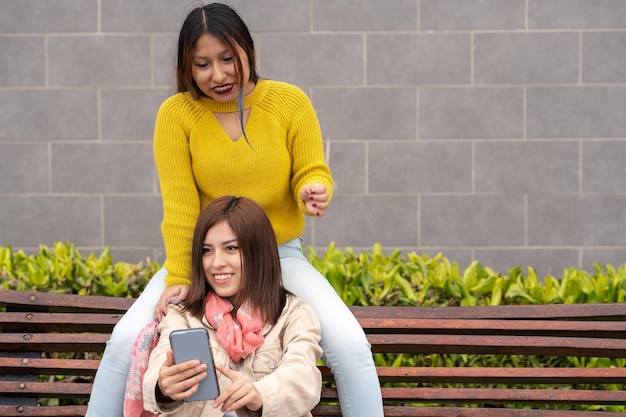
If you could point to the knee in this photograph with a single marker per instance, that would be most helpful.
(123, 335)
(126, 330)
(348, 358)
(346, 349)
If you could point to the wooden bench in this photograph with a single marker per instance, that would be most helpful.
(51, 323)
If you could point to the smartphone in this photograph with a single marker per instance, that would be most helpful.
(191, 344)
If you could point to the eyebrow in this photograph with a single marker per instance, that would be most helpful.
(224, 52)
(228, 242)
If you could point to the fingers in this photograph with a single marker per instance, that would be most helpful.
(160, 309)
(315, 209)
(169, 358)
(315, 198)
(161, 306)
(241, 393)
(183, 292)
(178, 291)
(226, 371)
(180, 381)
(224, 393)
(316, 192)
(242, 397)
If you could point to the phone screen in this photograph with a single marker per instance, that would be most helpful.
(191, 344)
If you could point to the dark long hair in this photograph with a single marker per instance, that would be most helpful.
(261, 281)
(224, 23)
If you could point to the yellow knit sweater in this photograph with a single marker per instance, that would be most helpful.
(197, 162)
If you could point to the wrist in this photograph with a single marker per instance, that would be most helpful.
(160, 397)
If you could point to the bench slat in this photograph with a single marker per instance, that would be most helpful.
(521, 345)
(59, 322)
(48, 366)
(64, 301)
(397, 411)
(504, 375)
(500, 327)
(494, 396)
(59, 389)
(504, 396)
(54, 342)
(38, 411)
(510, 376)
(603, 311)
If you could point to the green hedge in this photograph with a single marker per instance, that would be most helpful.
(374, 278)
(64, 269)
(366, 278)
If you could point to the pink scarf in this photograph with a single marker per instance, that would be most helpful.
(133, 398)
(240, 336)
(144, 344)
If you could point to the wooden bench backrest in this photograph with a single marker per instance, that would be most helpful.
(34, 323)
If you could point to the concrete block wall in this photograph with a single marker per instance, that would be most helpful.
(489, 130)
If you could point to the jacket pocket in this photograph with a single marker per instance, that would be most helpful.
(266, 360)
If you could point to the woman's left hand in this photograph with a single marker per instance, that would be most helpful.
(315, 198)
(241, 393)
(178, 291)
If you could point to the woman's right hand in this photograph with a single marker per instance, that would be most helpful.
(315, 198)
(178, 291)
(180, 381)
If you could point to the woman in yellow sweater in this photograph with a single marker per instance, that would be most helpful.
(229, 132)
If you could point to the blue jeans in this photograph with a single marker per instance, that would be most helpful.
(346, 349)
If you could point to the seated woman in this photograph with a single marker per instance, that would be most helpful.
(265, 341)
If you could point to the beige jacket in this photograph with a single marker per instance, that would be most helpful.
(284, 368)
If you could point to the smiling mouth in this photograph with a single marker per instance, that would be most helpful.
(223, 89)
(222, 277)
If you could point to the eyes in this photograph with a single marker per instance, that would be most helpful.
(229, 249)
(203, 64)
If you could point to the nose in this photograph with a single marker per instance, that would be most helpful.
(219, 74)
(219, 258)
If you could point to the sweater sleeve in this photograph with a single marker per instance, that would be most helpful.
(307, 149)
(181, 202)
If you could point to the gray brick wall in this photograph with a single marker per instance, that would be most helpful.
(485, 129)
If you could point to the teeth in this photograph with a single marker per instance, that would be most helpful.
(221, 88)
(221, 277)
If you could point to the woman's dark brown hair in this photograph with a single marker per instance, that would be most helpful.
(261, 281)
(224, 23)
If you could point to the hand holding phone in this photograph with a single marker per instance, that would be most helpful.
(189, 344)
